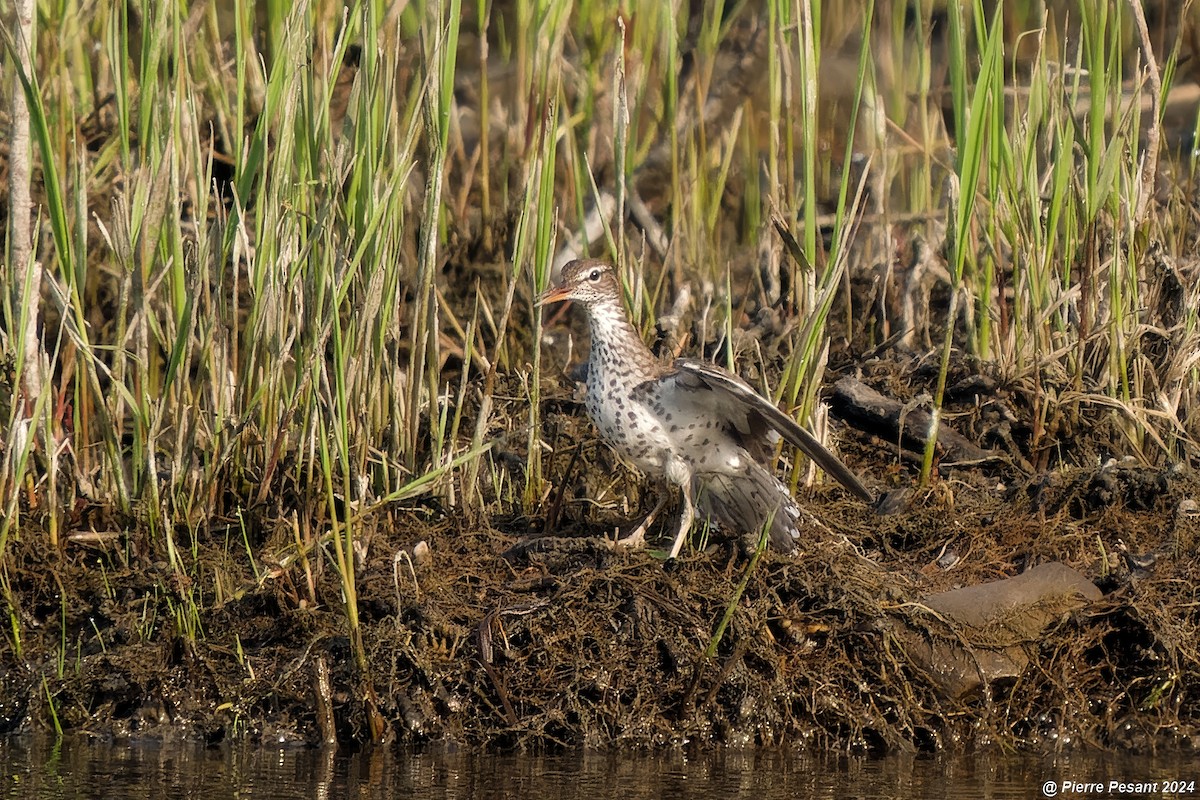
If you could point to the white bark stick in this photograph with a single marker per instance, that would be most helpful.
(27, 273)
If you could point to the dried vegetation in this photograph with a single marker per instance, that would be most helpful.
(307, 464)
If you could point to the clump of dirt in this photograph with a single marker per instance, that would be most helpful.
(498, 635)
(532, 631)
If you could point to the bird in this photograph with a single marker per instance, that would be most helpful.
(691, 424)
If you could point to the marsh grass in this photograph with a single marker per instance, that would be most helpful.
(250, 307)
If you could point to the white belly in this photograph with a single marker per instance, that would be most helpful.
(630, 427)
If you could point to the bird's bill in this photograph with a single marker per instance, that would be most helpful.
(554, 294)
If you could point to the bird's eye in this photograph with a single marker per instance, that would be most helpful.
(594, 275)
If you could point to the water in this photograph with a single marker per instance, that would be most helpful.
(80, 768)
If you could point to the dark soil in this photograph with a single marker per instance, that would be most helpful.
(528, 630)
(498, 634)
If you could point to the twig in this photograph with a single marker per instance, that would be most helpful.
(1150, 164)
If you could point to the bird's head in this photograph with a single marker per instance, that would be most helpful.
(586, 281)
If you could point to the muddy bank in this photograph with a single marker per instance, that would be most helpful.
(501, 633)
(1021, 599)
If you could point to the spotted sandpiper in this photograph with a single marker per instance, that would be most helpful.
(694, 425)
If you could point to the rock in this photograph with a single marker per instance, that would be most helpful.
(981, 634)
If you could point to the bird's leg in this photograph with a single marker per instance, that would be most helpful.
(637, 537)
(686, 517)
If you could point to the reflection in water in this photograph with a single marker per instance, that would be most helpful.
(83, 768)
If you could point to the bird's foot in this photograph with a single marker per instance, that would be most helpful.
(634, 541)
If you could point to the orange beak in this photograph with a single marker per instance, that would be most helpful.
(554, 294)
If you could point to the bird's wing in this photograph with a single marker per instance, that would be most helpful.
(704, 389)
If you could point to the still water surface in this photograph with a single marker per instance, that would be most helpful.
(85, 769)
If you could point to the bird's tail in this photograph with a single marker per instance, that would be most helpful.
(744, 503)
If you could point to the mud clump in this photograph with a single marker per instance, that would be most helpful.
(500, 637)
